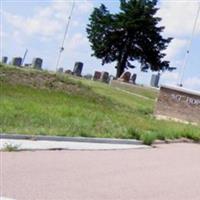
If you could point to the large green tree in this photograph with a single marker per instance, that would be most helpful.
(133, 34)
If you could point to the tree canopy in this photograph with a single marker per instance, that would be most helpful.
(132, 34)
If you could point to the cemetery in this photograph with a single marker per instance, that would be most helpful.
(90, 108)
(68, 102)
(100, 100)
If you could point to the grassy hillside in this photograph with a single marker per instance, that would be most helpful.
(34, 102)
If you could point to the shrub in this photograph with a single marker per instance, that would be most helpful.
(134, 133)
(148, 137)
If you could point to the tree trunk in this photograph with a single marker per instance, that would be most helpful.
(120, 70)
(121, 65)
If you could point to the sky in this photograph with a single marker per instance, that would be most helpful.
(39, 27)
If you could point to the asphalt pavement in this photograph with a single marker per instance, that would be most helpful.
(169, 171)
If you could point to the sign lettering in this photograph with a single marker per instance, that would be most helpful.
(189, 100)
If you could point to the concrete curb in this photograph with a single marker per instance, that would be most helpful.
(175, 141)
(71, 139)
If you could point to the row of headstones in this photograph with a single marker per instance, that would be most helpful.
(78, 67)
(106, 78)
(17, 61)
(125, 77)
(101, 76)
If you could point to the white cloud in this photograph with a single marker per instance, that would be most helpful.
(48, 21)
(77, 41)
(178, 17)
(193, 82)
(170, 77)
(175, 47)
(75, 23)
(84, 6)
(42, 24)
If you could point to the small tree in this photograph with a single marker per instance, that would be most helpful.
(131, 35)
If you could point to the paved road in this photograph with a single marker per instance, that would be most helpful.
(169, 172)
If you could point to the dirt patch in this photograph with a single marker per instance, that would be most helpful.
(41, 80)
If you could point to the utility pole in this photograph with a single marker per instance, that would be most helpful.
(189, 48)
(61, 49)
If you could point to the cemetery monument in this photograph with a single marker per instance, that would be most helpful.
(178, 103)
(37, 63)
(16, 61)
(78, 67)
(4, 59)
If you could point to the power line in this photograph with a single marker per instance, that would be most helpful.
(189, 47)
(65, 34)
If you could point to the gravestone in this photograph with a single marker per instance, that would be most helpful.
(37, 63)
(17, 61)
(27, 64)
(68, 71)
(78, 67)
(88, 76)
(133, 78)
(125, 77)
(178, 103)
(155, 80)
(111, 77)
(97, 75)
(4, 59)
(60, 70)
(104, 77)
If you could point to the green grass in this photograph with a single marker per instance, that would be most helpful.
(78, 107)
(147, 92)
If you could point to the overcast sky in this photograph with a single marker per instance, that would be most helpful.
(39, 26)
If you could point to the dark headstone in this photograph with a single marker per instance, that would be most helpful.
(97, 75)
(68, 71)
(27, 64)
(88, 76)
(4, 59)
(17, 61)
(133, 78)
(155, 80)
(125, 77)
(60, 70)
(104, 77)
(37, 63)
(78, 68)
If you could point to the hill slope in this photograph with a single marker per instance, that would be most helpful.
(36, 102)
